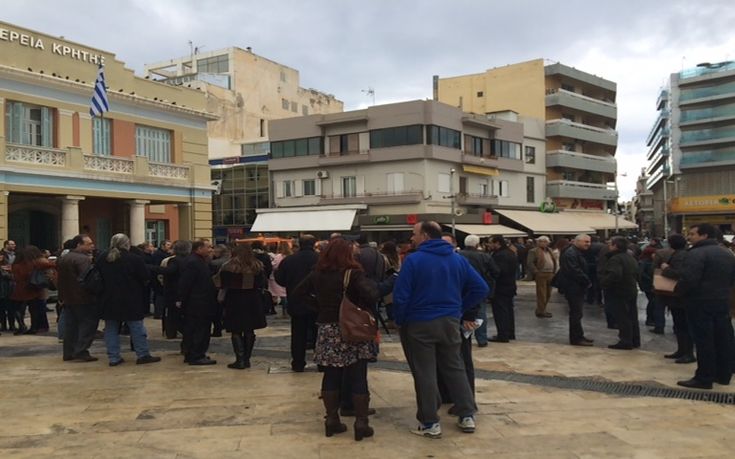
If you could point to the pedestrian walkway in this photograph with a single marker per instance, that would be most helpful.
(51, 408)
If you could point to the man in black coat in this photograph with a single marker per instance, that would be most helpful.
(505, 290)
(197, 297)
(619, 278)
(706, 284)
(292, 270)
(573, 280)
(487, 268)
(159, 304)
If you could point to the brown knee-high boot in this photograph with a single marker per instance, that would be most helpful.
(332, 423)
(362, 407)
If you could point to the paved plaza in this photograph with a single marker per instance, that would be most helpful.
(51, 408)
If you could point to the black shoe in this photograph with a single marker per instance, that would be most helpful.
(621, 346)
(497, 339)
(297, 369)
(674, 355)
(582, 343)
(204, 361)
(694, 383)
(85, 358)
(723, 382)
(686, 359)
(481, 344)
(119, 362)
(658, 331)
(147, 359)
(587, 340)
(68, 358)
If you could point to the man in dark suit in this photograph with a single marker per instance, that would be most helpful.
(292, 270)
(573, 280)
(505, 290)
(197, 297)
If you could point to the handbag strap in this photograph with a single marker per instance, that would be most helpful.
(346, 281)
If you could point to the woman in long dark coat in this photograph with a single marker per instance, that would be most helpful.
(243, 279)
(124, 299)
(170, 272)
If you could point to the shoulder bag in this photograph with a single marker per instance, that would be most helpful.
(663, 285)
(356, 325)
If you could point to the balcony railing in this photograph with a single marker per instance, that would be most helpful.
(580, 102)
(582, 161)
(476, 199)
(580, 190)
(565, 128)
(397, 197)
(72, 159)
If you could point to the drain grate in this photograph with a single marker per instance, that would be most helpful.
(562, 382)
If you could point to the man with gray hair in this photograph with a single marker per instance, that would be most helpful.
(541, 266)
(572, 279)
(488, 270)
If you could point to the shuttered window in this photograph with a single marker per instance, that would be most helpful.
(29, 124)
(153, 143)
(101, 144)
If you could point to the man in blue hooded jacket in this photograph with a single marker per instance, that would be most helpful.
(435, 286)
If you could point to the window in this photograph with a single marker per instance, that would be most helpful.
(530, 155)
(505, 149)
(295, 107)
(216, 64)
(474, 145)
(437, 135)
(480, 93)
(153, 143)
(101, 136)
(344, 144)
(283, 76)
(444, 183)
(396, 136)
(29, 124)
(530, 190)
(569, 175)
(310, 187)
(304, 110)
(287, 188)
(262, 127)
(311, 146)
(285, 104)
(504, 191)
(349, 187)
(484, 189)
(395, 182)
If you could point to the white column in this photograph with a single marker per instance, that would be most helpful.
(137, 221)
(70, 216)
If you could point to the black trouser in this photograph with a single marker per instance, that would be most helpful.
(300, 325)
(575, 298)
(7, 320)
(159, 304)
(682, 331)
(217, 319)
(711, 327)
(80, 326)
(594, 293)
(173, 321)
(356, 374)
(196, 337)
(39, 319)
(465, 351)
(625, 313)
(430, 346)
(504, 316)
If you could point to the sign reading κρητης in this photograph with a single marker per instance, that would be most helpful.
(61, 49)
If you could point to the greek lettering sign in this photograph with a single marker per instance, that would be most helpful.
(61, 49)
(713, 203)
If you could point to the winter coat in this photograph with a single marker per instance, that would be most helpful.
(196, 290)
(620, 275)
(708, 274)
(572, 276)
(292, 270)
(125, 295)
(322, 292)
(507, 261)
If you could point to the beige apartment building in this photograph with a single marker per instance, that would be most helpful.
(580, 115)
(383, 168)
(141, 169)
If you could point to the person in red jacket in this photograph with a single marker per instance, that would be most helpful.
(28, 260)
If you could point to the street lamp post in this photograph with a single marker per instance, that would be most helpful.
(666, 211)
(452, 197)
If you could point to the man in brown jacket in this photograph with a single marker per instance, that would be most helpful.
(541, 265)
(80, 311)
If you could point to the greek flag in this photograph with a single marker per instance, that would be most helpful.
(99, 103)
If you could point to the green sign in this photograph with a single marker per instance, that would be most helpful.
(381, 220)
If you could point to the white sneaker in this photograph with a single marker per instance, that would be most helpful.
(431, 431)
(467, 424)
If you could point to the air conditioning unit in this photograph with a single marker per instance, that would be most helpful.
(459, 212)
(322, 174)
(217, 185)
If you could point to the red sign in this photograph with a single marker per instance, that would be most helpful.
(411, 219)
(487, 218)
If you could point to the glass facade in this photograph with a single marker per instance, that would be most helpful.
(311, 146)
(396, 136)
(445, 137)
(244, 189)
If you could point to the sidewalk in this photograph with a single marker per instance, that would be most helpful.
(51, 408)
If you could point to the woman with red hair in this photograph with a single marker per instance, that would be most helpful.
(322, 290)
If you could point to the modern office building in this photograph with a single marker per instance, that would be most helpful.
(386, 167)
(691, 156)
(246, 91)
(580, 115)
(141, 169)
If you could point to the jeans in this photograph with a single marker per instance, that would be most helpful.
(137, 334)
(481, 331)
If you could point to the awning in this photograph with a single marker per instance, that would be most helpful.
(489, 171)
(304, 220)
(547, 223)
(600, 220)
(386, 228)
(490, 230)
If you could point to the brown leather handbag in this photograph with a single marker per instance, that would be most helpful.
(356, 325)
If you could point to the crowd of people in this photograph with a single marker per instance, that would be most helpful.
(436, 294)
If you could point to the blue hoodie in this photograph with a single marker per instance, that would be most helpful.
(436, 282)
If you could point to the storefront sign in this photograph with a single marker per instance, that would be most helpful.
(381, 220)
(487, 218)
(61, 49)
(703, 204)
(412, 219)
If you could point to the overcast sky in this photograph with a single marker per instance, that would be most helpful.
(395, 46)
